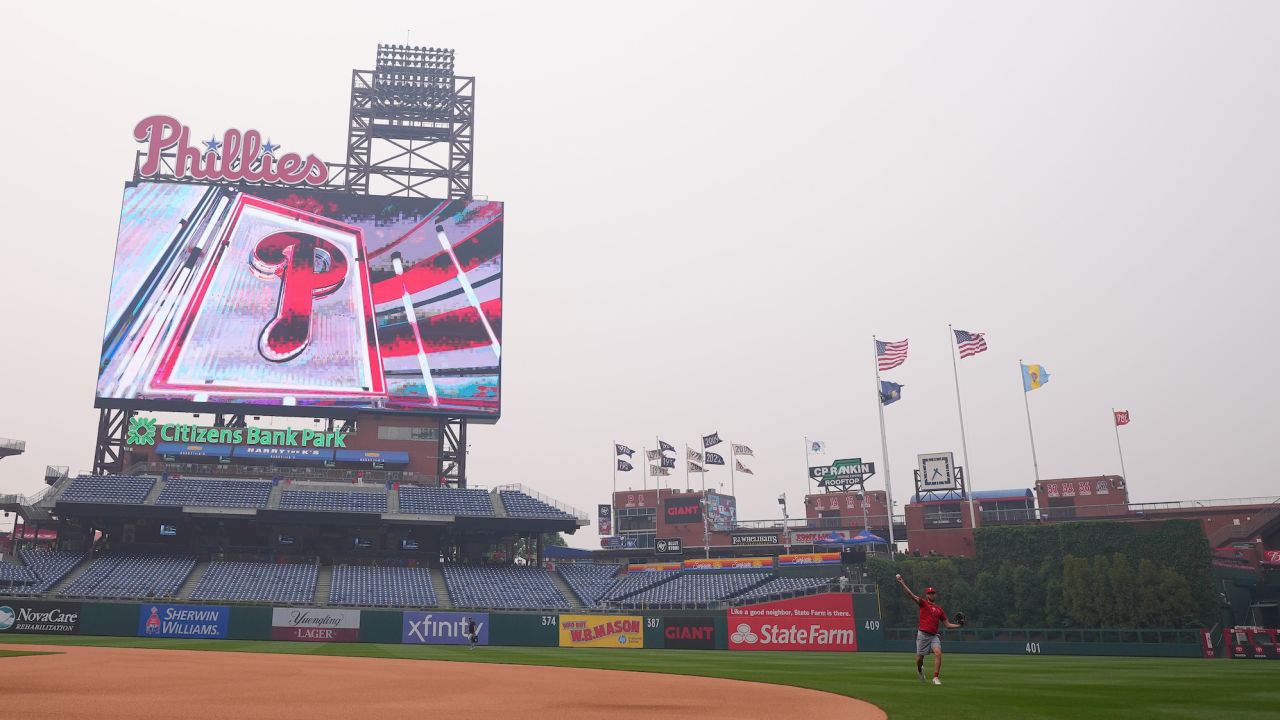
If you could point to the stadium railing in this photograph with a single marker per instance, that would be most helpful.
(1067, 635)
(562, 507)
(267, 472)
(13, 445)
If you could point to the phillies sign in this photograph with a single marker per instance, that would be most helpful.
(238, 156)
(817, 622)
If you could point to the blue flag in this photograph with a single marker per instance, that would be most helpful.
(622, 450)
(664, 446)
(890, 392)
(623, 465)
(714, 458)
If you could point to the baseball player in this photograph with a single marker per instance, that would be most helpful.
(927, 640)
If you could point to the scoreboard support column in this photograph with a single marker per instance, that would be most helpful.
(108, 453)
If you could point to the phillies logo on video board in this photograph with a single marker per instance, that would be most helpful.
(238, 156)
(815, 622)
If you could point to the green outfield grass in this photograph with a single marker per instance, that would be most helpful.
(984, 687)
(20, 653)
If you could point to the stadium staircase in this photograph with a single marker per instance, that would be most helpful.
(324, 581)
(156, 489)
(189, 585)
(393, 500)
(498, 508)
(442, 589)
(575, 602)
(70, 577)
(273, 500)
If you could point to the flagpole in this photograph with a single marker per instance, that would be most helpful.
(808, 479)
(657, 479)
(1034, 462)
(615, 467)
(1123, 474)
(644, 471)
(964, 443)
(884, 446)
(733, 459)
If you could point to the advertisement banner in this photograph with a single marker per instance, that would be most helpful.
(604, 525)
(613, 631)
(809, 537)
(689, 633)
(1271, 557)
(679, 510)
(752, 563)
(312, 625)
(831, 558)
(183, 621)
(295, 296)
(722, 512)
(653, 567)
(756, 539)
(443, 628)
(41, 618)
(816, 622)
(616, 542)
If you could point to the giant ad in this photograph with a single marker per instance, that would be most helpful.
(612, 631)
(297, 298)
(815, 622)
(312, 625)
(443, 628)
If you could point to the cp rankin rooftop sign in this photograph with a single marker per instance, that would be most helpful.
(238, 156)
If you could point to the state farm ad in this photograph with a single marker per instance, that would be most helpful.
(815, 622)
(310, 625)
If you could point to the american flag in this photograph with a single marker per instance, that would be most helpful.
(890, 355)
(970, 343)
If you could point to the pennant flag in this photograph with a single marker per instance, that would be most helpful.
(714, 459)
(668, 462)
(623, 465)
(655, 471)
(742, 450)
(696, 468)
(1122, 417)
(742, 468)
(890, 392)
(817, 447)
(653, 455)
(693, 455)
(710, 440)
(1034, 377)
(665, 447)
(622, 450)
(970, 343)
(890, 355)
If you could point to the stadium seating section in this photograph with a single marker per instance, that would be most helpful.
(782, 587)
(382, 586)
(589, 581)
(699, 589)
(518, 504)
(257, 581)
(47, 567)
(114, 489)
(445, 501)
(331, 501)
(632, 583)
(215, 493)
(126, 575)
(481, 586)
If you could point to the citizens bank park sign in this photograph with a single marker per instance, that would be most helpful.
(144, 431)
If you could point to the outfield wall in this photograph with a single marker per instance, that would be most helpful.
(822, 622)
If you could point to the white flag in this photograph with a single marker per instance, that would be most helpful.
(742, 468)
(694, 456)
(742, 450)
(817, 447)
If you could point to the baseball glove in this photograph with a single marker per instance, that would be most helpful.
(960, 619)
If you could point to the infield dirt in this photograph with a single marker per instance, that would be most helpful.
(140, 684)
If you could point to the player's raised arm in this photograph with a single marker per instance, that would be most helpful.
(915, 598)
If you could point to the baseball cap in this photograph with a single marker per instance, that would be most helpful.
(929, 590)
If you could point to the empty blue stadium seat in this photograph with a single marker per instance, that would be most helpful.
(261, 581)
(47, 567)
(121, 575)
(445, 501)
(382, 586)
(590, 581)
(115, 489)
(201, 492)
(503, 586)
(333, 501)
(519, 504)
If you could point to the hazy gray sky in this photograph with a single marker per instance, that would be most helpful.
(711, 207)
